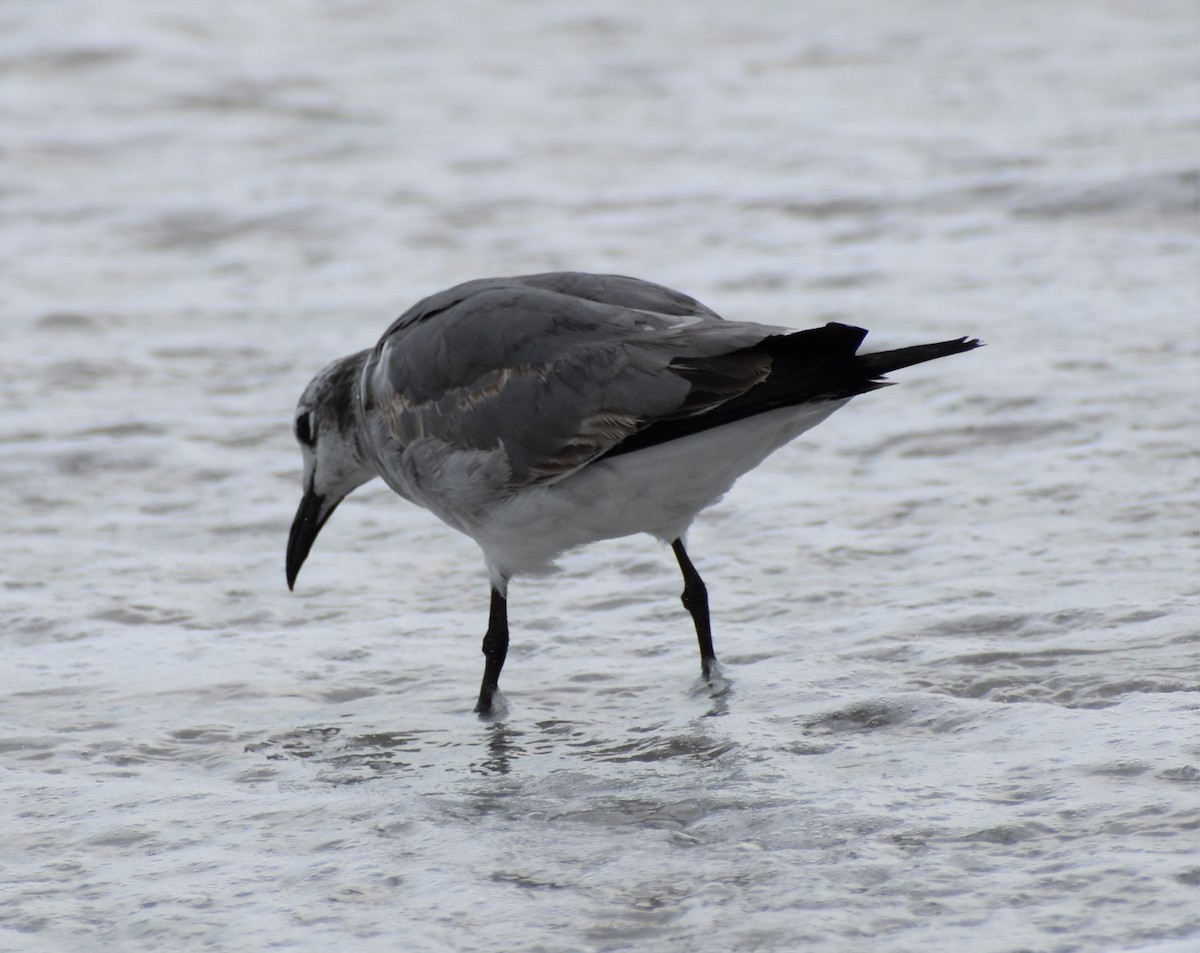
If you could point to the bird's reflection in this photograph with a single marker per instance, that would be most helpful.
(502, 749)
(719, 706)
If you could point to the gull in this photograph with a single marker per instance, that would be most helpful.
(540, 413)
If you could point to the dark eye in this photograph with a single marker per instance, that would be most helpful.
(304, 429)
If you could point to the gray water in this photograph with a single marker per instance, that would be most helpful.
(958, 619)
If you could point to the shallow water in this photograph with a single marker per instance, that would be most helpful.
(958, 621)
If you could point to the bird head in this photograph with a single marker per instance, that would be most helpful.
(326, 428)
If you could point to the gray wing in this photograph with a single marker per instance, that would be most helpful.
(554, 370)
(616, 290)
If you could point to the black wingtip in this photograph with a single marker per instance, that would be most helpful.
(883, 362)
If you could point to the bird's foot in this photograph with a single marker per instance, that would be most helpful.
(713, 682)
(491, 705)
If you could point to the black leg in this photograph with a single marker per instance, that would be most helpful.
(495, 648)
(695, 600)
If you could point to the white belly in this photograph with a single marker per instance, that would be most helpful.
(658, 491)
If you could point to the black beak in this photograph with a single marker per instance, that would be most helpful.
(305, 527)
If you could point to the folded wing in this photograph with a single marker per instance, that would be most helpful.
(554, 371)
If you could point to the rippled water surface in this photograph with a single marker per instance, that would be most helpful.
(958, 620)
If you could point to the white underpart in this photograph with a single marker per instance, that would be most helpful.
(659, 491)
